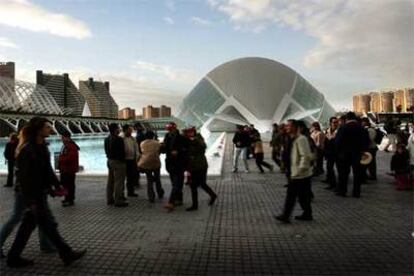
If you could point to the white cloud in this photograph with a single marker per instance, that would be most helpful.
(370, 38)
(5, 42)
(169, 20)
(25, 15)
(200, 21)
(182, 76)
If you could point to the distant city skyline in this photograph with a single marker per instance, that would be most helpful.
(155, 52)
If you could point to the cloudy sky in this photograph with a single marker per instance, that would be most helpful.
(155, 51)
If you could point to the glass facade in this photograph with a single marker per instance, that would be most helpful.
(306, 95)
(203, 100)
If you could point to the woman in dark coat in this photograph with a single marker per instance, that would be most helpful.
(197, 166)
(36, 179)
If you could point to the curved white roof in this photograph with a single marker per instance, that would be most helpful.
(257, 83)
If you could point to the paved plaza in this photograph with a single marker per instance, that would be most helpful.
(238, 235)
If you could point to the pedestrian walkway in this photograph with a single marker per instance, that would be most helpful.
(238, 235)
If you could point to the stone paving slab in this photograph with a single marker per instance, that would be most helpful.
(366, 236)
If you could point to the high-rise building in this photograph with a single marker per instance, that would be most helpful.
(362, 103)
(126, 113)
(410, 99)
(62, 89)
(149, 112)
(387, 102)
(7, 70)
(165, 111)
(375, 102)
(400, 101)
(98, 98)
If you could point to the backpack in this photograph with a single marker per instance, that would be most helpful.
(379, 135)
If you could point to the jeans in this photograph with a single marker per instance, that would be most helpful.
(17, 215)
(299, 188)
(199, 179)
(177, 181)
(116, 180)
(42, 217)
(344, 169)
(237, 153)
(68, 181)
(153, 176)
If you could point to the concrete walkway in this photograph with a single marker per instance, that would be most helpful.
(366, 236)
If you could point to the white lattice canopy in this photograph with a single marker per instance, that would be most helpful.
(26, 97)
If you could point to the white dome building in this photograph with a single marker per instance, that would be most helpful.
(255, 91)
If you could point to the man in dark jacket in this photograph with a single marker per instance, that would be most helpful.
(175, 148)
(9, 156)
(241, 141)
(115, 152)
(351, 141)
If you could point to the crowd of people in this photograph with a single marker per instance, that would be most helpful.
(348, 144)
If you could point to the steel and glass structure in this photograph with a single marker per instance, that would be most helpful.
(255, 91)
(25, 97)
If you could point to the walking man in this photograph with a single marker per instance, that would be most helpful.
(175, 148)
(241, 141)
(301, 172)
(351, 141)
(115, 153)
(372, 148)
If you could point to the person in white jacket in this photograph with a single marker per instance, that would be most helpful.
(300, 175)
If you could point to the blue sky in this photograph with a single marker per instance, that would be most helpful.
(155, 51)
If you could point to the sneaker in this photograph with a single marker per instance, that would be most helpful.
(169, 206)
(68, 203)
(73, 256)
(122, 204)
(19, 262)
(192, 208)
(302, 217)
(282, 218)
(212, 200)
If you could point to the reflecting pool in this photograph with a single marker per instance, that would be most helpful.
(91, 155)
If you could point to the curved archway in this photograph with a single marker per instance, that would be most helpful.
(85, 127)
(95, 127)
(74, 128)
(61, 128)
(6, 128)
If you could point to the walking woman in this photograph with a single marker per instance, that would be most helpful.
(259, 155)
(68, 167)
(197, 167)
(36, 179)
(149, 163)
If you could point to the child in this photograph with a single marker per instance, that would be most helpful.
(400, 166)
(259, 155)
